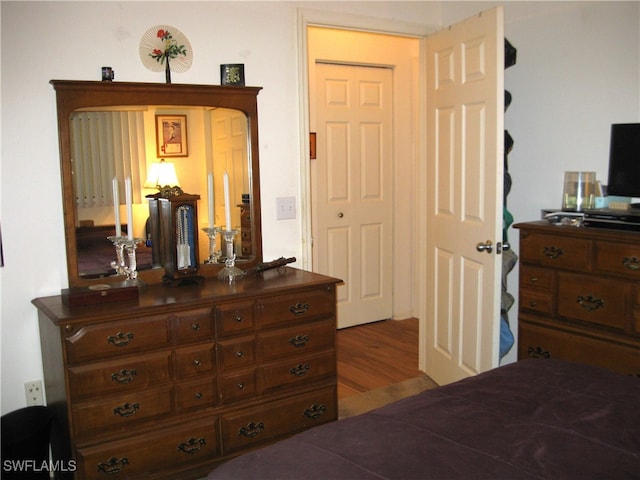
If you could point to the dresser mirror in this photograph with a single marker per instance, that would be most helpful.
(126, 130)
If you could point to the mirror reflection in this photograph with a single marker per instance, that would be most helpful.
(157, 147)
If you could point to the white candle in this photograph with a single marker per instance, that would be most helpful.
(116, 206)
(127, 186)
(210, 198)
(227, 203)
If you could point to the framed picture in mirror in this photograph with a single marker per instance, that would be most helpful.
(171, 136)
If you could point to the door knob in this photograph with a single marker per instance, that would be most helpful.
(502, 247)
(485, 247)
(340, 215)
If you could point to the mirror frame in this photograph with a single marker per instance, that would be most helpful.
(72, 95)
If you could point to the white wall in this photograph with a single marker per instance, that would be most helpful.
(72, 40)
(577, 72)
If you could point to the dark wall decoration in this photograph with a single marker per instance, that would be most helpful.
(509, 257)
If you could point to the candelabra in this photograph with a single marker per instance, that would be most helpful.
(118, 264)
(230, 271)
(122, 245)
(214, 254)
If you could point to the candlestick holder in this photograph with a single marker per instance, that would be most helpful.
(130, 247)
(214, 254)
(230, 271)
(118, 264)
(124, 245)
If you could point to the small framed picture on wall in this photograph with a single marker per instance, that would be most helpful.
(171, 136)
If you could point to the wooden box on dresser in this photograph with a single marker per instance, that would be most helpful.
(182, 378)
(579, 295)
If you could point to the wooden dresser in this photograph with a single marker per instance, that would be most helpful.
(579, 296)
(185, 377)
(246, 230)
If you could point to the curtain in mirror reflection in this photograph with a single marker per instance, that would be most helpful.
(106, 145)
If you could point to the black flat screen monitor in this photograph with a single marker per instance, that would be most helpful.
(624, 160)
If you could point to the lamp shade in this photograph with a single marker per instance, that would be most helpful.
(162, 174)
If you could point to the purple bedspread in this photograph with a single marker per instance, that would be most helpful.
(542, 419)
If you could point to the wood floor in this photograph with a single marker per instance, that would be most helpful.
(376, 355)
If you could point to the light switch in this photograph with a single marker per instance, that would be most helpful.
(285, 208)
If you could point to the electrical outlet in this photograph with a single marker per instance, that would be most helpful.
(285, 208)
(34, 393)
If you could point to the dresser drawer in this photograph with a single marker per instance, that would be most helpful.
(117, 338)
(557, 251)
(300, 306)
(141, 456)
(238, 352)
(193, 326)
(618, 258)
(278, 418)
(536, 301)
(121, 375)
(296, 340)
(297, 370)
(246, 247)
(593, 299)
(190, 395)
(234, 318)
(120, 413)
(537, 341)
(239, 385)
(536, 277)
(197, 360)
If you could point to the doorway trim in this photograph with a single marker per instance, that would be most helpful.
(313, 18)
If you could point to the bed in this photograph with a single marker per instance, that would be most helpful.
(96, 252)
(534, 419)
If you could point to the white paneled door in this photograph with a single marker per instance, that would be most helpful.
(352, 208)
(460, 300)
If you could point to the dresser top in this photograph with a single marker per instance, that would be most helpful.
(154, 299)
(593, 233)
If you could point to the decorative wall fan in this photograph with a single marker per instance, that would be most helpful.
(164, 47)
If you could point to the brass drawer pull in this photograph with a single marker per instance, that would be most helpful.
(299, 308)
(120, 339)
(533, 303)
(299, 341)
(192, 445)
(195, 327)
(315, 411)
(300, 370)
(124, 376)
(251, 430)
(114, 465)
(241, 386)
(590, 302)
(631, 263)
(534, 279)
(238, 318)
(552, 252)
(197, 363)
(239, 354)
(538, 352)
(126, 410)
(198, 395)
